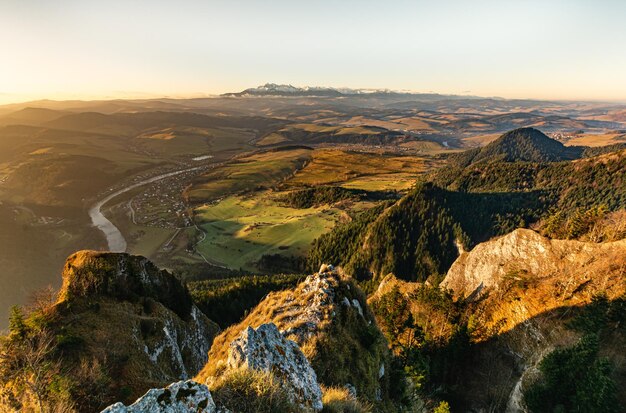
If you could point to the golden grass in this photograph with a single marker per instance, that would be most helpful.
(251, 391)
(281, 308)
(481, 140)
(272, 139)
(597, 139)
(339, 400)
(260, 170)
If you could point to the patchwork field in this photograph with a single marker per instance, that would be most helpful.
(360, 170)
(239, 230)
(260, 170)
(239, 204)
(597, 139)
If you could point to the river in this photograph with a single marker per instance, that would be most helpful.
(115, 239)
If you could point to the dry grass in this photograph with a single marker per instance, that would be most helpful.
(244, 391)
(601, 139)
(281, 307)
(330, 166)
(339, 400)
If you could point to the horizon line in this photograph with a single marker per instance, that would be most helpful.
(130, 96)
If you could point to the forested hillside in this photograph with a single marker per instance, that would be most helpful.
(459, 206)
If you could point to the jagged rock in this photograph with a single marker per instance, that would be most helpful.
(523, 289)
(123, 276)
(320, 316)
(182, 397)
(265, 349)
(122, 307)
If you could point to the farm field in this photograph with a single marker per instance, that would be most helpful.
(238, 205)
(241, 229)
(601, 139)
(360, 170)
(260, 170)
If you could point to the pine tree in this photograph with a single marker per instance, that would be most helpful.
(17, 324)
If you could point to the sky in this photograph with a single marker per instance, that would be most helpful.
(84, 49)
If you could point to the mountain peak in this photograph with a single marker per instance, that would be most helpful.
(122, 276)
(523, 144)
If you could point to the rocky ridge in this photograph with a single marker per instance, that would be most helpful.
(520, 290)
(122, 309)
(324, 312)
(524, 255)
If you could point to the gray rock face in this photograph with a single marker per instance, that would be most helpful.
(265, 349)
(182, 397)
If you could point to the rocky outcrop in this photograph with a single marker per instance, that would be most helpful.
(265, 349)
(130, 317)
(525, 256)
(328, 318)
(122, 276)
(181, 397)
(520, 292)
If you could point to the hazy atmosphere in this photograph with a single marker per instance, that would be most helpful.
(523, 49)
(312, 206)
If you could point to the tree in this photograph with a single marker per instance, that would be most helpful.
(574, 380)
(17, 325)
(27, 367)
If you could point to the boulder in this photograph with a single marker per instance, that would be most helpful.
(265, 349)
(181, 397)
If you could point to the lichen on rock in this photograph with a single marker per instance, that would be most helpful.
(181, 397)
(265, 349)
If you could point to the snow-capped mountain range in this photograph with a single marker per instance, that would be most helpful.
(273, 89)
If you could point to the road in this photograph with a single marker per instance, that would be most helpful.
(115, 239)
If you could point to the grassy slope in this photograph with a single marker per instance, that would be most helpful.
(359, 170)
(252, 172)
(239, 230)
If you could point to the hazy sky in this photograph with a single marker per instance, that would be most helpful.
(98, 49)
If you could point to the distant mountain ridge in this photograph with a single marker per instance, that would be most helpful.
(273, 89)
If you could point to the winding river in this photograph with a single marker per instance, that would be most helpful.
(115, 239)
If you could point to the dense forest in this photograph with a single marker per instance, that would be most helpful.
(459, 206)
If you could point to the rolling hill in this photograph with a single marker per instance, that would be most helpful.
(525, 145)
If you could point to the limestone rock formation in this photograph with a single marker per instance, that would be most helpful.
(265, 349)
(327, 316)
(122, 276)
(133, 318)
(181, 397)
(520, 290)
(524, 255)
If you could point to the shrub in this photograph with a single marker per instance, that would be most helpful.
(443, 407)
